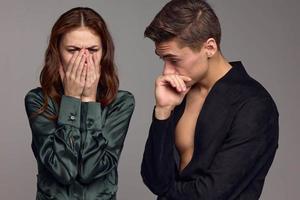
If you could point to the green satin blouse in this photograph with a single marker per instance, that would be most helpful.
(77, 155)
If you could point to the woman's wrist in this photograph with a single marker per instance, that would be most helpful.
(88, 99)
(74, 96)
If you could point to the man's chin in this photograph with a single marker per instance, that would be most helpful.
(189, 84)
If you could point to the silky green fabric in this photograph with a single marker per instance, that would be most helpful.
(77, 155)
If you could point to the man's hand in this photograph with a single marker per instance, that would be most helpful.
(169, 92)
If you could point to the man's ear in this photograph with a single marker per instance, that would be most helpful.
(210, 47)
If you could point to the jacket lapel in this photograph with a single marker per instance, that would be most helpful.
(215, 119)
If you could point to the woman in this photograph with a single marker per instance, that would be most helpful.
(78, 117)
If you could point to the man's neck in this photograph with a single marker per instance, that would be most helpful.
(218, 66)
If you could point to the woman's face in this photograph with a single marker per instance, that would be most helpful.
(77, 39)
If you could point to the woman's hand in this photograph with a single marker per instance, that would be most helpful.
(169, 92)
(74, 78)
(92, 77)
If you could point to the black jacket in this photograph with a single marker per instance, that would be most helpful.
(235, 142)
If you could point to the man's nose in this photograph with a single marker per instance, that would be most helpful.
(168, 69)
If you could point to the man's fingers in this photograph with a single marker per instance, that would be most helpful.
(185, 78)
(181, 82)
(178, 84)
(169, 80)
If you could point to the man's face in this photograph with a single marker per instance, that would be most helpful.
(182, 61)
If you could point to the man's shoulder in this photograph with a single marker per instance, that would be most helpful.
(239, 85)
(250, 87)
(248, 90)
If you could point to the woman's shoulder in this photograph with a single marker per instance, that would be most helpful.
(125, 95)
(124, 99)
(34, 94)
(33, 100)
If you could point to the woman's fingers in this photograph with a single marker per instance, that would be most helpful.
(83, 74)
(80, 67)
(92, 66)
(71, 63)
(76, 63)
(96, 59)
(61, 72)
(89, 71)
(91, 62)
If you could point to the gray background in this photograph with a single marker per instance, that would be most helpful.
(263, 34)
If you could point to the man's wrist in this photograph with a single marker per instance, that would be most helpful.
(162, 113)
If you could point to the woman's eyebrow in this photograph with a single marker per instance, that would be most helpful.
(76, 47)
(73, 47)
(94, 46)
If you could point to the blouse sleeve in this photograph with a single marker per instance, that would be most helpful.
(105, 135)
(55, 143)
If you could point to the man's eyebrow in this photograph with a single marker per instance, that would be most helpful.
(166, 55)
(156, 52)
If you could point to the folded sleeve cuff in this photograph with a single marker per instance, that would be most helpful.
(161, 123)
(93, 117)
(69, 112)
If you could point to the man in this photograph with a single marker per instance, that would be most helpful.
(214, 132)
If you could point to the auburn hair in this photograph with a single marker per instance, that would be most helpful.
(50, 80)
(192, 22)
